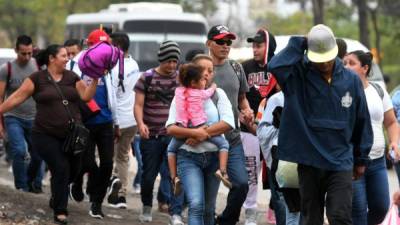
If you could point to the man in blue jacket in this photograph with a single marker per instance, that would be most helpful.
(325, 125)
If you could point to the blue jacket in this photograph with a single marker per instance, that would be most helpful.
(323, 125)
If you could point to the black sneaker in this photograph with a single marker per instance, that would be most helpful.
(33, 189)
(95, 210)
(121, 204)
(51, 202)
(76, 193)
(115, 186)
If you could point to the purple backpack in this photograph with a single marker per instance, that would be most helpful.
(101, 57)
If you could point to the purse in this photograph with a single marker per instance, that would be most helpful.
(78, 135)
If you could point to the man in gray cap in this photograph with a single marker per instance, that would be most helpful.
(157, 86)
(325, 125)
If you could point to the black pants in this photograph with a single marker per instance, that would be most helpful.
(102, 136)
(50, 150)
(315, 184)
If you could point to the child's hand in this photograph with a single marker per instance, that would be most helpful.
(214, 86)
(396, 198)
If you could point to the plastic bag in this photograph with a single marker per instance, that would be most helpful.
(286, 175)
(392, 217)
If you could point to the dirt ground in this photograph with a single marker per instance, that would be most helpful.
(19, 208)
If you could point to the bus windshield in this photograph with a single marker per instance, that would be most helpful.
(164, 26)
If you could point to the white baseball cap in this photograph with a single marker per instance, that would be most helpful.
(322, 45)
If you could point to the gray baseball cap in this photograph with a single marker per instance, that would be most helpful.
(322, 45)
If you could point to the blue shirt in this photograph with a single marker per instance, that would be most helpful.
(101, 98)
(396, 104)
(323, 124)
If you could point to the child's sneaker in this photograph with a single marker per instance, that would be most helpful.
(223, 176)
(177, 186)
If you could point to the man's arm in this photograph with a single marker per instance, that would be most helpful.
(281, 64)
(138, 112)
(2, 96)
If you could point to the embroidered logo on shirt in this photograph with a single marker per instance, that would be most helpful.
(347, 100)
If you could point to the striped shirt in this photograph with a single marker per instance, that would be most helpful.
(158, 97)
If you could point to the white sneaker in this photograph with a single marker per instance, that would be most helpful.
(136, 189)
(251, 217)
(146, 214)
(176, 220)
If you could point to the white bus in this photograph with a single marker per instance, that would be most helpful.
(147, 24)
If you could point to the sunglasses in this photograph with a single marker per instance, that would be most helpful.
(222, 42)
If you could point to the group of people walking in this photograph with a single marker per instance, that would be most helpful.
(309, 111)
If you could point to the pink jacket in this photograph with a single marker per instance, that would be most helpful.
(189, 105)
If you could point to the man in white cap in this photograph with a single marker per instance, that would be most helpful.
(325, 125)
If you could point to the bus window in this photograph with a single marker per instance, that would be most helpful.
(145, 52)
(164, 26)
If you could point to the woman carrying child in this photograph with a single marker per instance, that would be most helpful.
(197, 159)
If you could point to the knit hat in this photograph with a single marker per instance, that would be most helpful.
(168, 50)
(96, 36)
(322, 45)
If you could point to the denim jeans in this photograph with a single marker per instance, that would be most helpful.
(219, 141)
(154, 154)
(138, 156)
(164, 193)
(196, 171)
(292, 218)
(371, 198)
(237, 195)
(277, 200)
(397, 169)
(19, 141)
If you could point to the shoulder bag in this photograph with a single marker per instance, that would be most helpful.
(78, 135)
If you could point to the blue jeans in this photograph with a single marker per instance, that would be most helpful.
(219, 141)
(292, 218)
(19, 141)
(371, 198)
(196, 171)
(237, 195)
(397, 169)
(138, 156)
(154, 154)
(277, 200)
(164, 193)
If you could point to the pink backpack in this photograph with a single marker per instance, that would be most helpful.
(101, 57)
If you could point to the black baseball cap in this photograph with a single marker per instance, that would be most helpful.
(258, 38)
(220, 31)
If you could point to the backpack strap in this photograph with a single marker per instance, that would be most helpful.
(378, 89)
(148, 77)
(121, 71)
(8, 74)
(215, 99)
(236, 67)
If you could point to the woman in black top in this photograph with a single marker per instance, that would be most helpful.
(51, 121)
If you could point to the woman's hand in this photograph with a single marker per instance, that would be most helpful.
(200, 134)
(192, 142)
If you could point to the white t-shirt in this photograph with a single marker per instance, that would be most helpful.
(126, 100)
(377, 107)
